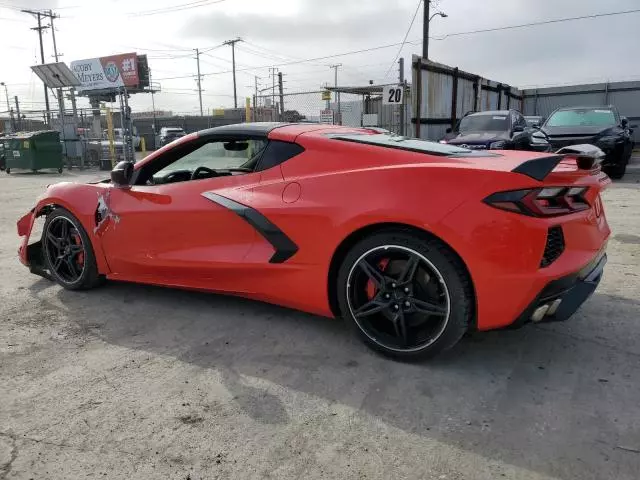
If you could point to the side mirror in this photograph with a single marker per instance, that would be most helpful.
(121, 174)
(624, 121)
(448, 130)
(518, 128)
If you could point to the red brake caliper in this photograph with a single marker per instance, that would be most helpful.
(371, 288)
(78, 241)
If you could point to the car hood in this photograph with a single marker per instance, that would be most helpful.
(574, 131)
(478, 137)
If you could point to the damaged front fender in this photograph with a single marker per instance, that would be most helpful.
(104, 215)
(25, 225)
(86, 202)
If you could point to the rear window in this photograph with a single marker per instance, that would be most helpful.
(596, 117)
(403, 143)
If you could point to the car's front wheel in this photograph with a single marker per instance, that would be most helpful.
(67, 250)
(407, 295)
(617, 171)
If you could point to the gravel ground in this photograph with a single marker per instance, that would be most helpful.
(140, 382)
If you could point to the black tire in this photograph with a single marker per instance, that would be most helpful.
(617, 171)
(60, 170)
(8, 170)
(89, 276)
(448, 274)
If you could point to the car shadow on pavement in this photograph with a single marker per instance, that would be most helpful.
(547, 398)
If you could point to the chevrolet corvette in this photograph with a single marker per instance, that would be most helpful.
(412, 242)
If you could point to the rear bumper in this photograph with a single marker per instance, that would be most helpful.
(561, 298)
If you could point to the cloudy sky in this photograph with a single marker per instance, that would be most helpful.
(284, 32)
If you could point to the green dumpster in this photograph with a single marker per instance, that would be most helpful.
(33, 151)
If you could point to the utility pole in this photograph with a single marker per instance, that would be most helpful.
(124, 136)
(9, 109)
(61, 107)
(272, 74)
(52, 16)
(335, 69)
(425, 30)
(280, 90)
(19, 121)
(401, 78)
(153, 106)
(40, 28)
(233, 62)
(255, 97)
(199, 80)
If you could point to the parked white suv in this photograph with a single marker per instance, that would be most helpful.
(169, 134)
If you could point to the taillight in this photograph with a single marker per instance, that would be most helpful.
(541, 202)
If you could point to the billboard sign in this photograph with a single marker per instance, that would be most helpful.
(107, 73)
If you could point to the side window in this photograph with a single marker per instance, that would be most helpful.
(219, 155)
(514, 119)
(521, 120)
(276, 153)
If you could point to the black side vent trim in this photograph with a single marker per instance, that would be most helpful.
(284, 247)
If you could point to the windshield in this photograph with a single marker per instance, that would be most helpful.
(219, 156)
(585, 117)
(484, 123)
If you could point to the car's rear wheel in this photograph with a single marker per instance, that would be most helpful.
(407, 296)
(67, 250)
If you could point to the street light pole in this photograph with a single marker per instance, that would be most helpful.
(425, 27)
(425, 30)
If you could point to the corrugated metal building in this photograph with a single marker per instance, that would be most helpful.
(445, 94)
(624, 95)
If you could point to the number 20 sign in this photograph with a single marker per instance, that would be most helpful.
(393, 95)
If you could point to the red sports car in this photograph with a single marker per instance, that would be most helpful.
(412, 242)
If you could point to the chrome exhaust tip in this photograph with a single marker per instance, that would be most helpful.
(539, 313)
(553, 308)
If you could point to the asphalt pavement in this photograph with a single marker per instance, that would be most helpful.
(130, 381)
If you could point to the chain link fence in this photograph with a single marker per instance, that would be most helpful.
(348, 106)
(83, 131)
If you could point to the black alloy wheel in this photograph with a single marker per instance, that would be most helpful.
(67, 251)
(407, 297)
(64, 249)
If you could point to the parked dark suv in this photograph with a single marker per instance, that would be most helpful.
(600, 126)
(497, 130)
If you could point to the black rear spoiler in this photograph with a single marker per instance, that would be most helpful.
(587, 157)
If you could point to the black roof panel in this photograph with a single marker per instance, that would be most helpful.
(257, 128)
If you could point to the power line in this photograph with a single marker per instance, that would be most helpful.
(294, 62)
(277, 55)
(176, 8)
(404, 40)
(535, 24)
(11, 7)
